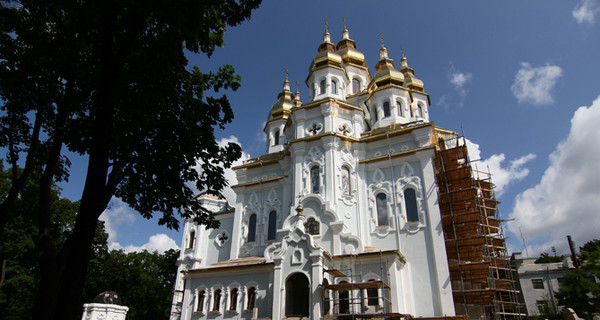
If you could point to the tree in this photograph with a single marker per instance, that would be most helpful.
(547, 258)
(580, 289)
(20, 275)
(109, 79)
(143, 280)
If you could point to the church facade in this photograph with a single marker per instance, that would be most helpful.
(340, 216)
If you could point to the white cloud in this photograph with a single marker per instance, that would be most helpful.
(502, 175)
(567, 198)
(227, 192)
(159, 242)
(585, 11)
(533, 85)
(119, 214)
(459, 79)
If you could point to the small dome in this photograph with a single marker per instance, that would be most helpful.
(326, 55)
(386, 71)
(346, 48)
(285, 102)
(108, 297)
(409, 74)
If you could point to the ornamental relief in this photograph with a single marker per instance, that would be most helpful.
(347, 158)
(253, 204)
(314, 154)
(345, 129)
(273, 201)
(314, 128)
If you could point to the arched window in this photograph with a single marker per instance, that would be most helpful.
(400, 109)
(276, 137)
(322, 86)
(216, 300)
(251, 298)
(191, 239)
(252, 228)
(312, 226)
(374, 114)
(386, 109)
(355, 86)
(272, 225)
(233, 298)
(420, 109)
(410, 204)
(346, 187)
(333, 87)
(372, 295)
(412, 115)
(200, 305)
(314, 179)
(382, 214)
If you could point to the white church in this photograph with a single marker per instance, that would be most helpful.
(340, 218)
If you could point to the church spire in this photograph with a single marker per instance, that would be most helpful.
(282, 107)
(409, 75)
(326, 45)
(346, 48)
(386, 70)
(297, 95)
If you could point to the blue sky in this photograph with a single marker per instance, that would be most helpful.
(511, 75)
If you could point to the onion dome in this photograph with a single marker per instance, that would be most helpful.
(285, 101)
(386, 70)
(327, 55)
(346, 48)
(411, 81)
(108, 297)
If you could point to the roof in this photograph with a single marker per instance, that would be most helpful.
(233, 263)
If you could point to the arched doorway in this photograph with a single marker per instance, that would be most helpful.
(326, 298)
(344, 300)
(297, 295)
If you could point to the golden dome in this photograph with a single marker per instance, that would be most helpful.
(285, 102)
(346, 48)
(326, 55)
(411, 81)
(386, 71)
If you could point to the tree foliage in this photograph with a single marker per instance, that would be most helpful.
(109, 79)
(547, 258)
(580, 289)
(143, 280)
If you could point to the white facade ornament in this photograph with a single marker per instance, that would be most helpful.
(222, 238)
(345, 129)
(314, 129)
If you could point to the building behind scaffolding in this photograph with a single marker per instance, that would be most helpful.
(361, 208)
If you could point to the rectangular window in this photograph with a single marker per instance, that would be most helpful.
(537, 283)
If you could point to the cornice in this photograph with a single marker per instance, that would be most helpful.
(262, 181)
(396, 154)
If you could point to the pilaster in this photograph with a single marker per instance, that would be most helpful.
(317, 280)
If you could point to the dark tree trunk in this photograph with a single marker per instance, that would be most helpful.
(62, 281)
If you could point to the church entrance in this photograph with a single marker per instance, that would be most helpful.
(297, 296)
